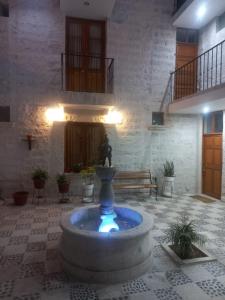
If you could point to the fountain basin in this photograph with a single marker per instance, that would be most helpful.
(100, 257)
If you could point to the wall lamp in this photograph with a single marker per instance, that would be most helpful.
(55, 114)
(113, 117)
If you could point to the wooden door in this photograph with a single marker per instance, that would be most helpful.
(82, 142)
(185, 78)
(212, 165)
(85, 55)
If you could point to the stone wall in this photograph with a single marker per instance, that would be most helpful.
(142, 40)
(209, 36)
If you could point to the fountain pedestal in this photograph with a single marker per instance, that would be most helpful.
(106, 195)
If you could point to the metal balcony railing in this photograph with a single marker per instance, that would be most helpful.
(202, 73)
(86, 73)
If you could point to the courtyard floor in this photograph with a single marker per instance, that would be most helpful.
(30, 266)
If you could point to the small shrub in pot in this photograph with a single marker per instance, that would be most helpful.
(169, 169)
(39, 177)
(63, 183)
(182, 236)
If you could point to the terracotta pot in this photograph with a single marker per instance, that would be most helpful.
(63, 187)
(20, 198)
(39, 183)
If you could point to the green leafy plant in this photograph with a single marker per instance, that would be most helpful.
(169, 169)
(88, 174)
(182, 235)
(62, 178)
(77, 167)
(40, 174)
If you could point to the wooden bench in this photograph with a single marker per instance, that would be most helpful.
(135, 180)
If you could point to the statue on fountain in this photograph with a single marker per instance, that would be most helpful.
(106, 152)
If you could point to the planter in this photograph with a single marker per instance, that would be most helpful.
(168, 186)
(202, 257)
(20, 198)
(88, 190)
(63, 187)
(39, 183)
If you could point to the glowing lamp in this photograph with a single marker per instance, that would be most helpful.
(201, 11)
(55, 114)
(113, 117)
(108, 224)
(205, 110)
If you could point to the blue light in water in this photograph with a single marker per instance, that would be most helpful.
(108, 223)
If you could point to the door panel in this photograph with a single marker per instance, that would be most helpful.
(212, 165)
(185, 79)
(85, 50)
(82, 141)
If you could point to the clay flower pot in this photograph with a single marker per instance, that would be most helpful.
(39, 183)
(20, 198)
(63, 187)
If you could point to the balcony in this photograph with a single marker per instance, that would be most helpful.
(198, 84)
(85, 73)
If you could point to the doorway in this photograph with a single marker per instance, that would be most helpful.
(85, 55)
(212, 154)
(186, 51)
(82, 142)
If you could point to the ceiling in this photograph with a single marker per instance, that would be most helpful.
(87, 9)
(187, 15)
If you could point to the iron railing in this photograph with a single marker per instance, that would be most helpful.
(168, 95)
(86, 73)
(200, 74)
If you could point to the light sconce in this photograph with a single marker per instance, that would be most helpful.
(201, 11)
(206, 110)
(113, 117)
(55, 114)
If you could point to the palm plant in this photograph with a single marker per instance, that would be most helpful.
(182, 235)
(168, 169)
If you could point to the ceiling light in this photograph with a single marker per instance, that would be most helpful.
(201, 11)
(205, 110)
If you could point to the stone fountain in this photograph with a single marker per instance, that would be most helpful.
(106, 243)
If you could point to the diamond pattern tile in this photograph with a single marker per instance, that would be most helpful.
(30, 235)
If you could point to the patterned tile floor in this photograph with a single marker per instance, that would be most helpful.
(30, 266)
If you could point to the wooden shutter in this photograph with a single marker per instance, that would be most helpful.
(82, 141)
(85, 53)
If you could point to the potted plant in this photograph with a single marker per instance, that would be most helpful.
(77, 167)
(39, 177)
(169, 175)
(88, 185)
(185, 241)
(20, 198)
(63, 183)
